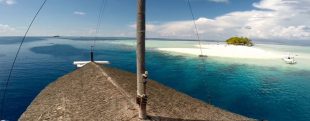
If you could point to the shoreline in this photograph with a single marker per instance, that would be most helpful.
(230, 51)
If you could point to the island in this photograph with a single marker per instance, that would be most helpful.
(239, 41)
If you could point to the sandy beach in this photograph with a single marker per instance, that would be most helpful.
(232, 51)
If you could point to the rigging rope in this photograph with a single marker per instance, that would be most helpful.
(196, 29)
(100, 16)
(15, 58)
(201, 67)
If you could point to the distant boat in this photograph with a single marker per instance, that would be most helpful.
(289, 59)
(56, 36)
(202, 55)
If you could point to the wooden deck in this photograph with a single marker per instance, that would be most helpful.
(99, 93)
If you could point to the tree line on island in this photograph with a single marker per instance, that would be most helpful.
(240, 41)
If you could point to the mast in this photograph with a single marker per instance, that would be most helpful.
(140, 53)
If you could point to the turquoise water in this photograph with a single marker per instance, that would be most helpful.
(256, 89)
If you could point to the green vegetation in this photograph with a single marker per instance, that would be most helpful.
(239, 41)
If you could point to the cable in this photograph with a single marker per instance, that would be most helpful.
(196, 29)
(14, 61)
(100, 16)
(201, 68)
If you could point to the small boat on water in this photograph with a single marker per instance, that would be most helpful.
(202, 56)
(289, 59)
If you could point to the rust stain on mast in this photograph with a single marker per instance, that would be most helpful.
(100, 93)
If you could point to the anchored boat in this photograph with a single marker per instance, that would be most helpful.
(289, 59)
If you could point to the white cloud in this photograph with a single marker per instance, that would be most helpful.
(271, 19)
(79, 13)
(8, 2)
(5, 29)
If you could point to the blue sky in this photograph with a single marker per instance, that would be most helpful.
(165, 18)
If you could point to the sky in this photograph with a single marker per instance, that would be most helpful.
(216, 19)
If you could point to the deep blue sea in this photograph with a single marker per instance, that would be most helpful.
(260, 92)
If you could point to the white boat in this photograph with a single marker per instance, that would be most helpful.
(289, 59)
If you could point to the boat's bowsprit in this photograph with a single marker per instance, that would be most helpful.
(80, 64)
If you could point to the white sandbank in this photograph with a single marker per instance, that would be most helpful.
(231, 51)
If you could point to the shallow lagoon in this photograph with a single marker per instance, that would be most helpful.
(259, 89)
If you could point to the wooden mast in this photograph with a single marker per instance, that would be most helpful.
(140, 53)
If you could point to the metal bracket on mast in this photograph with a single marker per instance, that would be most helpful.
(145, 76)
(142, 99)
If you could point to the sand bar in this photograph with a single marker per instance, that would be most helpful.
(223, 50)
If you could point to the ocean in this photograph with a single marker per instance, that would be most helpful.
(261, 89)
